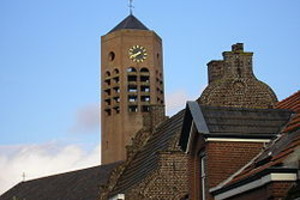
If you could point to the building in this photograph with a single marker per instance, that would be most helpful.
(132, 85)
(217, 145)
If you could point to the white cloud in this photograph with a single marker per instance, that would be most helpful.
(87, 119)
(42, 160)
(176, 101)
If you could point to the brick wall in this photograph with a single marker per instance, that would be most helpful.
(168, 182)
(225, 158)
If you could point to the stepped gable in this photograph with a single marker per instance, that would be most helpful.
(147, 160)
(292, 103)
(81, 184)
(232, 82)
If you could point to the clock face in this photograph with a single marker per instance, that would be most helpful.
(137, 53)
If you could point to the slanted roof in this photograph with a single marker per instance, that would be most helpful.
(81, 184)
(232, 122)
(130, 22)
(282, 156)
(278, 158)
(292, 103)
(244, 121)
(146, 160)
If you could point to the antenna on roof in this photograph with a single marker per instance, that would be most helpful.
(130, 7)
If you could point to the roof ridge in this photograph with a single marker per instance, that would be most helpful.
(295, 95)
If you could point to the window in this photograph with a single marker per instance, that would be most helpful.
(116, 71)
(111, 56)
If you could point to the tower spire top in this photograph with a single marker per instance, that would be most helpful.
(130, 6)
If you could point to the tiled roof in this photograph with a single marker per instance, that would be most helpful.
(273, 157)
(76, 185)
(146, 160)
(130, 22)
(292, 103)
(234, 122)
(243, 121)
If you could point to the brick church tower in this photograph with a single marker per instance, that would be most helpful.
(131, 85)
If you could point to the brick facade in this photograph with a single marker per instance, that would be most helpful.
(222, 159)
(168, 182)
(233, 84)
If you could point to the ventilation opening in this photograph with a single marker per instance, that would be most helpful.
(107, 81)
(132, 88)
(116, 89)
(145, 79)
(145, 98)
(108, 102)
(107, 91)
(111, 56)
(107, 74)
(131, 69)
(108, 112)
(117, 109)
(117, 99)
(132, 108)
(145, 70)
(132, 78)
(116, 79)
(132, 98)
(145, 88)
(145, 108)
(116, 71)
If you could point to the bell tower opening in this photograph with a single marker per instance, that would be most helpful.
(131, 83)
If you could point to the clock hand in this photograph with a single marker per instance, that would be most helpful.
(135, 55)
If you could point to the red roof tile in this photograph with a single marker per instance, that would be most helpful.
(280, 149)
(291, 103)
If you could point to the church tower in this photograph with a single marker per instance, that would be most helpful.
(131, 85)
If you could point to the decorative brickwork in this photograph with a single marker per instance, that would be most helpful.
(233, 84)
(169, 181)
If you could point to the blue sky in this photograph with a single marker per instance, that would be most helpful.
(49, 65)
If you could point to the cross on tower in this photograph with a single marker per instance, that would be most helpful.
(130, 6)
(23, 176)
